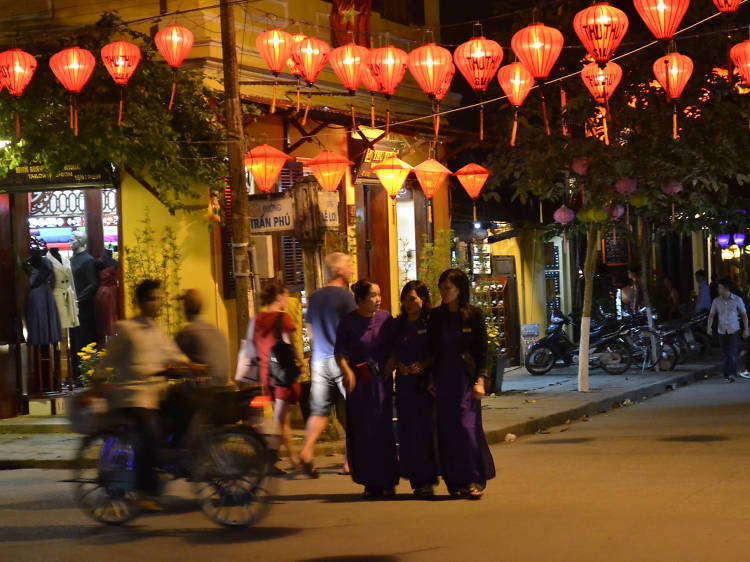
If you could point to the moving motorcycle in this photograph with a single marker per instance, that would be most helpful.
(607, 348)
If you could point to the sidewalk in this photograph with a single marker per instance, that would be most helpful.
(527, 404)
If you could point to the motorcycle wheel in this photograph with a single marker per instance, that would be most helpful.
(540, 360)
(232, 477)
(104, 478)
(703, 344)
(625, 355)
(667, 357)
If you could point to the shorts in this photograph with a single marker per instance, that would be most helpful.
(327, 384)
(289, 394)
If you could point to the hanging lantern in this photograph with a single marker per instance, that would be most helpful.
(516, 81)
(673, 72)
(740, 55)
(478, 60)
(16, 69)
(739, 239)
(388, 64)
(275, 48)
(347, 62)
(727, 6)
(73, 67)
(723, 240)
(440, 94)
(600, 28)
(310, 56)
(671, 189)
(538, 48)
(392, 174)
(601, 82)
(174, 42)
(662, 17)
(431, 174)
(615, 212)
(473, 177)
(329, 168)
(293, 68)
(430, 64)
(265, 163)
(121, 59)
(371, 82)
(564, 216)
(626, 187)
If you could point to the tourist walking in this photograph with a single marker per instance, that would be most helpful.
(415, 405)
(459, 347)
(729, 308)
(325, 309)
(362, 349)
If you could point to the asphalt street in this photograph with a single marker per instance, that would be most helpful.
(665, 479)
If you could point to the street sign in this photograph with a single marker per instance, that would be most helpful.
(272, 213)
(529, 331)
(328, 201)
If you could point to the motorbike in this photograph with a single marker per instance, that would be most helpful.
(607, 348)
(226, 459)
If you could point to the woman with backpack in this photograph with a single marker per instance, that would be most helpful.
(272, 340)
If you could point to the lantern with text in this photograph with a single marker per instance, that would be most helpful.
(478, 60)
(392, 174)
(564, 217)
(121, 59)
(600, 28)
(265, 163)
(538, 47)
(516, 81)
(723, 240)
(602, 82)
(727, 6)
(16, 69)
(662, 17)
(440, 94)
(310, 56)
(329, 168)
(275, 48)
(388, 64)
(673, 72)
(174, 43)
(431, 175)
(473, 177)
(671, 190)
(371, 82)
(430, 64)
(73, 67)
(740, 55)
(347, 62)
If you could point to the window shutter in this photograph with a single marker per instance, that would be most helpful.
(291, 251)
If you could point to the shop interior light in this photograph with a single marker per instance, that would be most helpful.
(723, 240)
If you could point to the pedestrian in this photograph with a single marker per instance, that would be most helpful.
(459, 348)
(362, 349)
(325, 309)
(271, 324)
(631, 294)
(729, 308)
(703, 302)
(415, 405)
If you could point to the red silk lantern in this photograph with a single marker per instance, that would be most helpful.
(440, 94)
(516, 81)
(673, 72)
(310, 56)
(600, 28)
(538, 48)
(662, 17)
(392, 174)
(727, 6)
(265, 163)
(275, 48)
(388, 64)
(740, 55)
(73, 68)
(348, 62)
(431, 174)
(16, 69)
(473, 177)
(478, 60)
(601, 82)
(329, 168)
(371, 82)
(174, 42)
(293, 68)
(430, 64)
(626, 186)
(121, 59)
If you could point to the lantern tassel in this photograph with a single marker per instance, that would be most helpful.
(673, 211)
(437, 122)
(544, 113)
(18, 124)
(515, 128)
(481, 122)
(174, 87)
(354, 121)
(273, 99)
(298, 95)
(614, 235)
(75, 118)
(674, 121)
(429, 211)
(606, 129)
(307, 109)
(565, 243)
(119, 114)
(388, 120)
(541, 214)
(627, 215)
(71, 111)
(475, 210)
(372, 110)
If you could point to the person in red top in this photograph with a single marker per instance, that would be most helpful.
(274, 297)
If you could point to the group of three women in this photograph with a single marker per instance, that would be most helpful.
(438, 357)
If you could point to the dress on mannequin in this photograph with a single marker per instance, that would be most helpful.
(64, 293)
(105, 301)
(86, 281)
(42, 322)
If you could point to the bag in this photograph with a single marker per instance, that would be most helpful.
(282, 362)
(248, 368)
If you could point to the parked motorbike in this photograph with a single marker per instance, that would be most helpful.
(607, 348)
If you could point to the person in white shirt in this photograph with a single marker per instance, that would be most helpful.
(730, 309)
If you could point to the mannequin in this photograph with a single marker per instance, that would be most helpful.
(64, 291)
(105, 302)
(42, 322)
(85, 279)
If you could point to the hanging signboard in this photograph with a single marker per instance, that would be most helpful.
(382, 150)
(34, 174)
(271, 213)
(328, 201)
(615, 250)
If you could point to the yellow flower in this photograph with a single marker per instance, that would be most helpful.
(90, 372)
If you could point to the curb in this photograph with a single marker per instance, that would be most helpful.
(493, 436)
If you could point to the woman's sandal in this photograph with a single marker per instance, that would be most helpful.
(475, 491)
(309, 469)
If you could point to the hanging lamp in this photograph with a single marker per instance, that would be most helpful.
(121, 59)
(388, 64)
(275, 48)
(348, 62)
(626, 187)
(430, 64)
(73, 68)
(727, 6)
(16, 70)
(600, 28)
(740, 55)
(673, 72)
(671, 189)
(564, 217)
(265, 163)
(293, 68)
(174, 43)
(602, 81)
(472, 178)
(431, 175)
(516, 82)
(371, 82)
(662, 17)
(310, 56)
(329, 168)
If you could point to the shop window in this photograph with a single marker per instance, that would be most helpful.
(291, 250)
(552, 277)
(406, 233)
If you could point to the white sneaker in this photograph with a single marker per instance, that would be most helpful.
(744, 374)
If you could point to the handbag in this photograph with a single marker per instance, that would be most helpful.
(282, 362)
(248, 367)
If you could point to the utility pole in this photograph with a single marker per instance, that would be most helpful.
(235, 147)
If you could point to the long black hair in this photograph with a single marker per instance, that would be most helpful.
(361, 289)
(458, 278)
(422, 292)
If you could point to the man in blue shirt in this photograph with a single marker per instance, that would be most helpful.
(703, 302)
(325, 309)
(730, 309)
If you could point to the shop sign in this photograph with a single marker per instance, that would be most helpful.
(615, 250)
(328, 201)
(378, 153)
(269, 213)
(36, 175)
(529, 331)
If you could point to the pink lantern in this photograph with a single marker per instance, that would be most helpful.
(671, 189)
(626, 187)
(580, 166)
(616, 212)
(564, 216)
